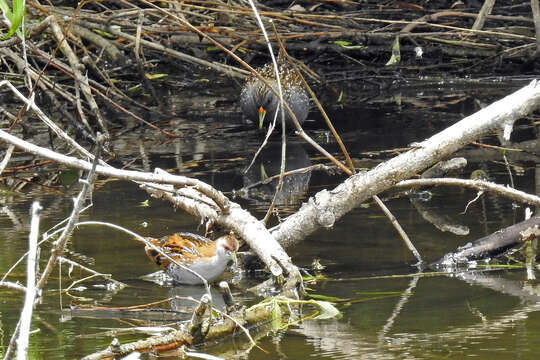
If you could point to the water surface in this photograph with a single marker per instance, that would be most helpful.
(483, 315)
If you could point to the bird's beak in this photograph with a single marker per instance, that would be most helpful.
(262, 114)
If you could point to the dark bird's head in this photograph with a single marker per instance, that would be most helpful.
(259, 103)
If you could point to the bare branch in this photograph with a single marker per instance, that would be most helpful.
(480, 185)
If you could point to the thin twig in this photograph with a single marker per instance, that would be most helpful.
(399, 229)
(58, 245)
(484, 11)
(93, 272)
(474, 184)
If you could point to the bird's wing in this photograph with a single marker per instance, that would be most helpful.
(183, 247)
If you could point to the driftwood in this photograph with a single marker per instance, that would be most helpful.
(492, 245)
(214, 329)
(327, 207)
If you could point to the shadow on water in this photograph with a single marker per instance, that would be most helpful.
(491, 314)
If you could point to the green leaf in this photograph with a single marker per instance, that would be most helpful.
(104, 34)
(15, 17)
(348, 45)
(342, 43)
(134, 88)
(396, 53)
(354, 47)
(397, 99)
(5, 9)
(263, 175)
(378, 293)
(276, 316)
(318, 277)
(155, 76)
(327, 298)
(327, 310)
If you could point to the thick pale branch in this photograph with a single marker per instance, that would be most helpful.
(326, 207)
(237, 219)
(232, 216)
(220, 199)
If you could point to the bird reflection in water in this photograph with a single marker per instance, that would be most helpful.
(268, 164)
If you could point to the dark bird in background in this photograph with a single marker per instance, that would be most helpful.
(259, 102)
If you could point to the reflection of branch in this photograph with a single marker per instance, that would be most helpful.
(305, 170)
(397, 309)
(31, 290)
(339, 338)
(17, 223)
(484, 330)
(498, 325)
(525, 291)
(12, 286)
(118, 284)
(442, 222)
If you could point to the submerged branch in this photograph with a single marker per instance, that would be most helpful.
(492, 245)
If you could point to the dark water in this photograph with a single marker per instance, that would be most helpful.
(482, 315)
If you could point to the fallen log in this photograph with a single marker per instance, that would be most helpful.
(492, 245)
